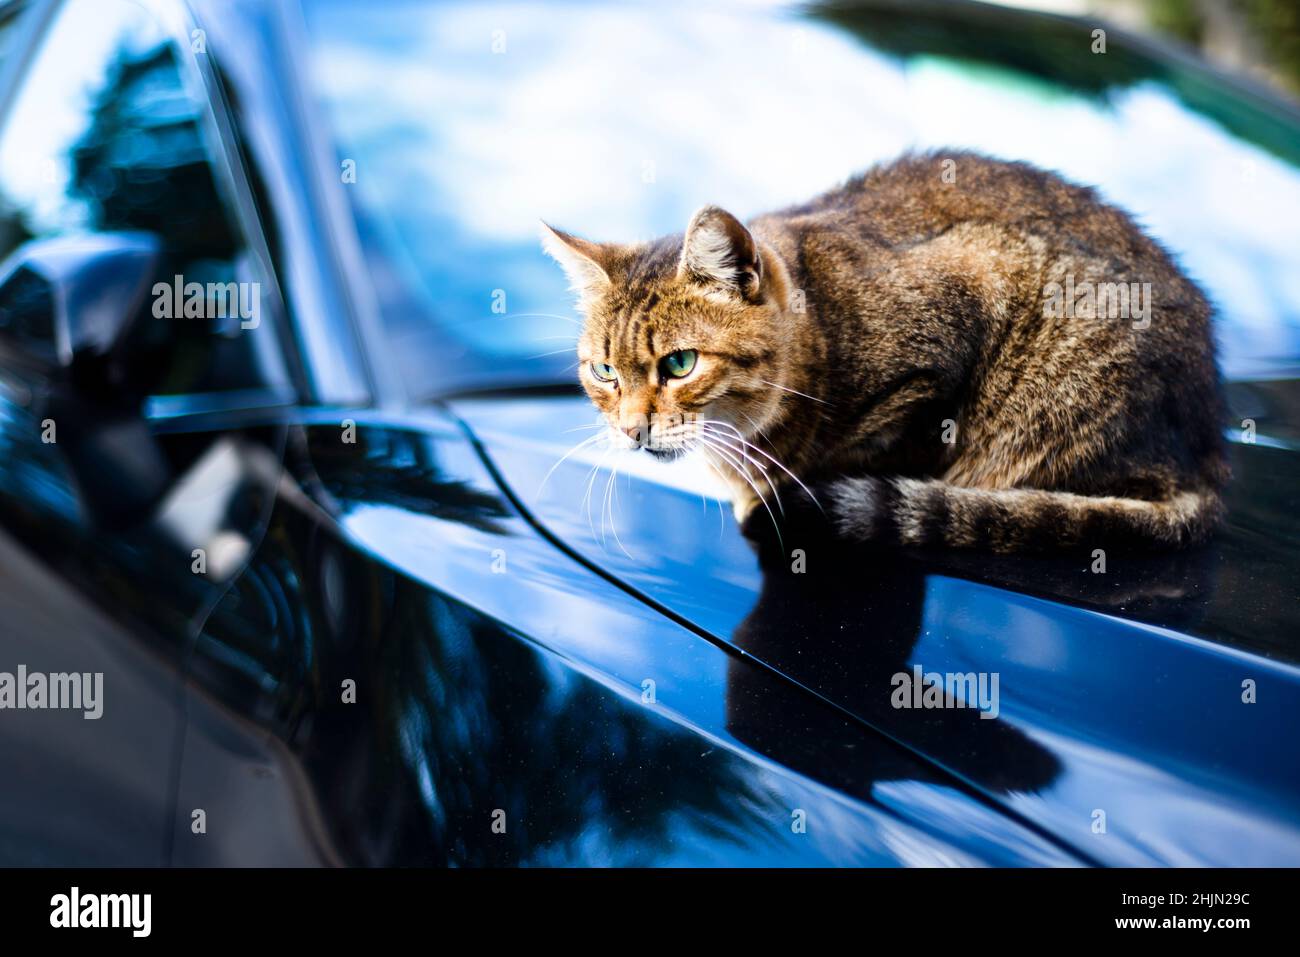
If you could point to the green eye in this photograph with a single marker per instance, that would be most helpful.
(677, 365)
(603, 371)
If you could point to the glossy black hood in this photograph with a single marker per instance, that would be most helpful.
(1141, 712)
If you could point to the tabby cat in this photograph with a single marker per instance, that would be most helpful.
(946, 349)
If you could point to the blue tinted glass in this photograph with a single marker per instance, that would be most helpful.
(467, 123)
(107, 133)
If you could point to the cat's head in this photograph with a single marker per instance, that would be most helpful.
(680, 331)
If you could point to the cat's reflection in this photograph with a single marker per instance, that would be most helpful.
(846, 635)
(845, 623)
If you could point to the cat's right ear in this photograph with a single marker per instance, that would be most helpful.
(584, 262)
(718, 250)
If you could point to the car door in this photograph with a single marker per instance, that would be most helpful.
(139, 358)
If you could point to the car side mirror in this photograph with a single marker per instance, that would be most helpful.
(68, 306)
(70, 301)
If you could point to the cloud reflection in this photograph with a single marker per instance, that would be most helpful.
(619, 122)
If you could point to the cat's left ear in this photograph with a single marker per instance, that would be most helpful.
(719, 251)
(587, 264)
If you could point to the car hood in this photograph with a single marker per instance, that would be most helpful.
(1142, 714)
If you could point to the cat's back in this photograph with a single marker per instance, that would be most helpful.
(1042, 226)
(921, 195)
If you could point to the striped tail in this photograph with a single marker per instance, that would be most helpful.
(931, 512)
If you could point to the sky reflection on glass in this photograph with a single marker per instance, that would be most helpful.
(618, 123)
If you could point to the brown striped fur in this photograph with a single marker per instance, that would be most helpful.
(843, 338)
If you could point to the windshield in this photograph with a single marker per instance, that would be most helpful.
(459, 126)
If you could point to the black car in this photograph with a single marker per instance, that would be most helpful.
(291, 546)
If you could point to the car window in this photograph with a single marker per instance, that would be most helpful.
(107, 132)
(459, 125)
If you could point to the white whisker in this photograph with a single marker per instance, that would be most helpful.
(752, 461)
(735, 433)
(722, 517)
(613, 523)
(579, 428)
(585, 442)
(757, 430)
(739, 469)
(776, 385)
(591, 484)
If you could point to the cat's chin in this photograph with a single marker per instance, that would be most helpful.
(667, 455)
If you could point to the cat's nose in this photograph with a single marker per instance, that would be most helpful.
(636, 433)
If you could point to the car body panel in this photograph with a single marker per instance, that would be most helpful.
(605, 733)
(77, 790)
(1143, 720)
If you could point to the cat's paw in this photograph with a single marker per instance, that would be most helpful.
(798, 515)
(844, 509)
